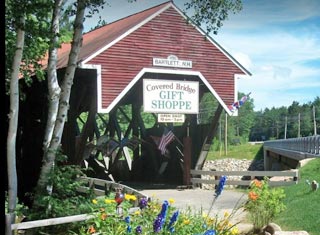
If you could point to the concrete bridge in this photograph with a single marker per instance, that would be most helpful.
(286, 154)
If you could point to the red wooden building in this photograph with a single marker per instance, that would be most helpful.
(160, 43)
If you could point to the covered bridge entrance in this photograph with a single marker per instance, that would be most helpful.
(117, 133)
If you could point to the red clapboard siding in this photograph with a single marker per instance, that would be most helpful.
(166, 34)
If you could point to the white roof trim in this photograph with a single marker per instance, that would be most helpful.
(156, 70)
(126, 33)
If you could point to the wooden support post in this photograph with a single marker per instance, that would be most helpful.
(187, 142)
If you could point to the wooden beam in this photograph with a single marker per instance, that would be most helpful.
(208, 140)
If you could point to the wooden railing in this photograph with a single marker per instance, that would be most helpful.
(308, 145)
(99, 186)
(293, 174)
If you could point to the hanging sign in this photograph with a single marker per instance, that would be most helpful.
(171, 117)
(169, 96)
(172, 61)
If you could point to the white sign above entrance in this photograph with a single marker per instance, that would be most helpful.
(169, 96)
(172, 61)
(171, 117)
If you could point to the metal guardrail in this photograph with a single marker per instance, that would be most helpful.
(309, 145)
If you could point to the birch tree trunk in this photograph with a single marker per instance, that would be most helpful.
(13, 124)
(49, 159)
(53, 85)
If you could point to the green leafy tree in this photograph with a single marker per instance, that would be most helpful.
(212, 13)
(243, 123)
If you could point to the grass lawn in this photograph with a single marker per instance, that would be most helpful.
(302, 204)
(243, 151)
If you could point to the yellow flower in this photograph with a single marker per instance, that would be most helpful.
(234, 231)
(204, 215)
(226, 214)
(130, 197)
(210, 220)
(137, 212)
(94, 201)
(186, 221)
(109, 201)
(171, 201)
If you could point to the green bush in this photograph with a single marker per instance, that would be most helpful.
(264, 203)
(65, 200)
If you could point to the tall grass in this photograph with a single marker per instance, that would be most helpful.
(302, 204)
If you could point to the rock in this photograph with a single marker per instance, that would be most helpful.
(272, 228)
(230, 164)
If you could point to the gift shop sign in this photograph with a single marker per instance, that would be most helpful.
(168, 96)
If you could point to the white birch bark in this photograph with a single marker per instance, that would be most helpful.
(13, 125)
(53, 85)
(49, 160)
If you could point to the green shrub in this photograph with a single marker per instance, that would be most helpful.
(65, 200)
(264, 203)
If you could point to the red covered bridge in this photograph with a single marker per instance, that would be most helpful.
(159, 44)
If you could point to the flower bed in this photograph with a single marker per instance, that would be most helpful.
(116, 214)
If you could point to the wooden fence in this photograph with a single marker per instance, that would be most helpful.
(197, 177)
(99, 186)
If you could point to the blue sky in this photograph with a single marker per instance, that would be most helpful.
(278, 41)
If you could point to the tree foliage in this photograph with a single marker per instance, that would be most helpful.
(212, 13)
(37, 14)
(297, 120)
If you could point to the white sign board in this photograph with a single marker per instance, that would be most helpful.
(169, 96)
(171, 117)
(172, 61)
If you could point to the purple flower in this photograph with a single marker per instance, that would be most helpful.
(143, 203)
(138, 229)
(157, 225)
(219, 189)
(159, 221)
(172, 220)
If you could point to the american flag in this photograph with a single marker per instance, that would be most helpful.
(167, 138)
(236, 105)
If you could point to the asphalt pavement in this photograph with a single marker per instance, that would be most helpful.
(198, 200)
